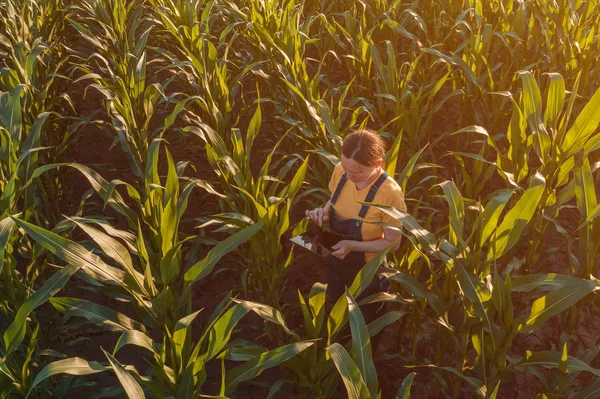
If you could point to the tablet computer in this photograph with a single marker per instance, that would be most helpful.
(317, 240)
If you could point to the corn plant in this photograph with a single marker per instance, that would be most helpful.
(32, 61)
(117, 33)
(179, 362)
(155, 282)
(487, 321)
(312, 373)
(561, 147)
(280, 33)
(211, 81)
(245, 199)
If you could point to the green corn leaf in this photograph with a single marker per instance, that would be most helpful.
(591, 392)
(391, 157)
(6, 228)
(139, 77)
(309, 324)
(254, 126)
(457, 213)
(390, 317)
(355, 385)
(476, 384)
(404, 391)
(275, 388)
(550, 281)
(172, 184)
(585, 195)
(73, 254)
(291, 190)
(243, 353)
(10, 118)
(15, 333)
(115, 250)
(413, 286)
(478, 294)
(6, 371)
(501, 298)
(186, 384)
(492, 213)
(554, 303)
(182, 338)
(584, 126)
(219, 333)
(316, 304)
(257, 365)
(71, 366)
(100, 185)
(555, 100)
(203, 268)
(552, 360)
(408, 169)
(513, 224)
(268, 313)
(494, 393)
(134, 337)
(97, 314)
(361, 345)
(130, 385)
(532, 107)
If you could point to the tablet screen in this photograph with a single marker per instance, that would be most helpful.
(317, 240)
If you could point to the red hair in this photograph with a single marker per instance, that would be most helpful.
(364, 146)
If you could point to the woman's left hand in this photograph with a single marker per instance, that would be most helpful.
(343, 248)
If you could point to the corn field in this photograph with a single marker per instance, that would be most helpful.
(157, 155)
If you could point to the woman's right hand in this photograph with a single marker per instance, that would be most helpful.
(319, 215)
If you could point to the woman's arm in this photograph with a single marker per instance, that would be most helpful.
(390, 236)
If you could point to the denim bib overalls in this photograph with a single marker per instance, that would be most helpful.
(341, 272)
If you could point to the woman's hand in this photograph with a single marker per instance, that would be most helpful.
(318, 215)
(343, 248)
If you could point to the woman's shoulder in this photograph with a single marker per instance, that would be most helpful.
(391, 190)
(391, 185)
(338, 171)
(392, 194)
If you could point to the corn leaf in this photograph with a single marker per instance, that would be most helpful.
(584, 126)
(362, 353)
(492, 213)
(554, 303)
(203, 267)
(265, 360)
(14, 334)
(74, 254)
(510, 230)
(71, 366)
(404, 391)
(97, 314)
(130, 385)
(355, 385)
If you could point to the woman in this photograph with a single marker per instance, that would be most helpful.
(360, 176)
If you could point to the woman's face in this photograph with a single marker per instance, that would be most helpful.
(359, 173)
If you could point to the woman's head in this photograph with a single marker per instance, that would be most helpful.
(363, 152)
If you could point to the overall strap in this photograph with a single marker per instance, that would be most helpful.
(371, 194)
(338, 189)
